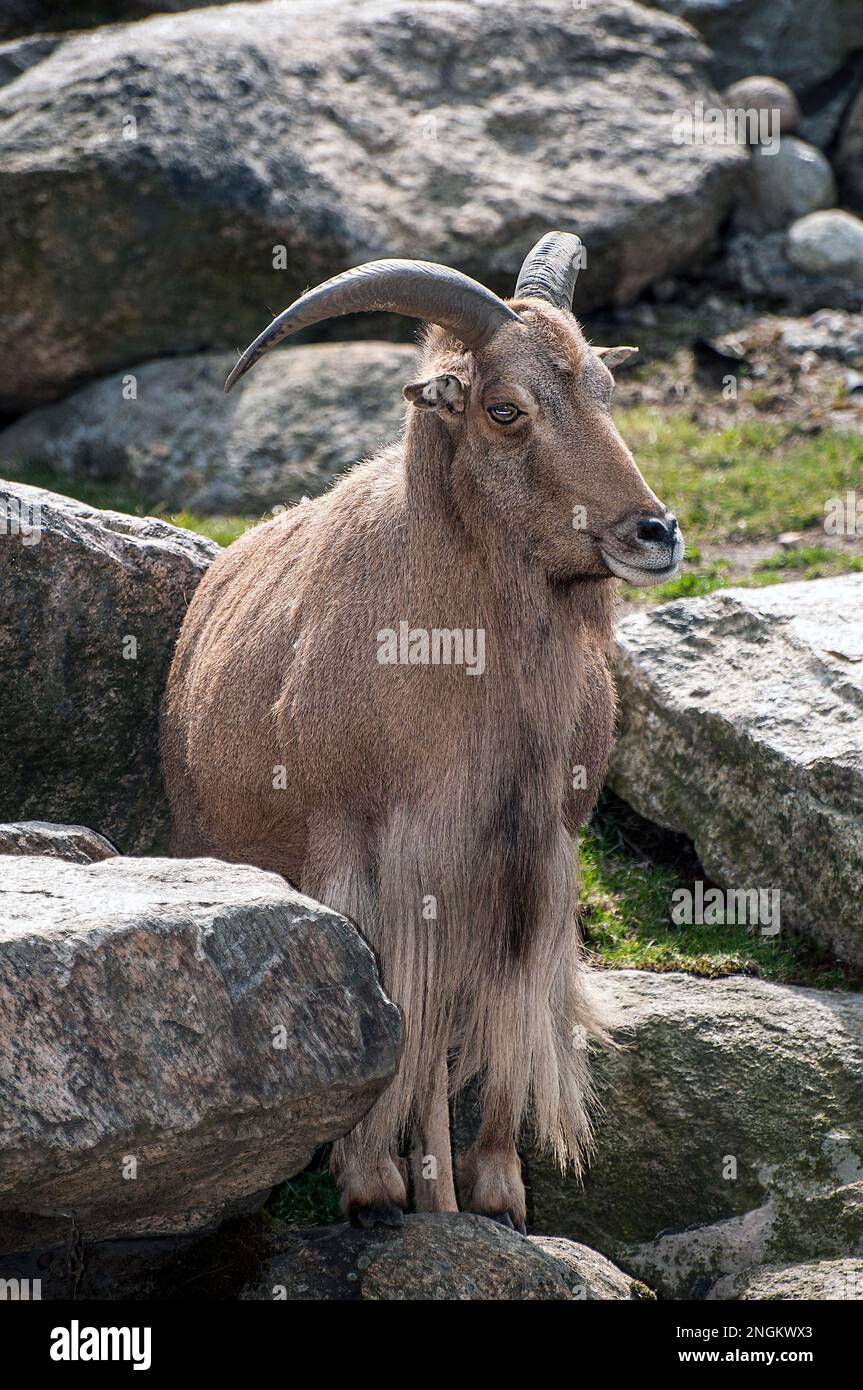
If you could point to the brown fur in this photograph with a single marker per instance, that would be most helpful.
(416, 780)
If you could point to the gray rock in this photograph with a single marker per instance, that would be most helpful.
(784, 184)
(759, 265)
(139, 1268)
(853, 383)
(435, 1258)
(91, 605)
(831, 334)
(741, 726)
(286, 430)
(766, 94)
(144, 1086)
(17, 57)
(35, 16)
(194, 146)
(591, 1276)
(829, 243)
(731, 1135)
(801, 43)
(828, 105)
(820, 1279)
(849, 156)
(75, 843)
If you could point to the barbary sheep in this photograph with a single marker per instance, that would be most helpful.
(398, 696)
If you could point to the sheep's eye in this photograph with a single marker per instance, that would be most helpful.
(504, 414)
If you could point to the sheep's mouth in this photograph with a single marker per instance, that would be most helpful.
(655, 568)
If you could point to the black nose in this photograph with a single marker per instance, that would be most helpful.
(653, 528)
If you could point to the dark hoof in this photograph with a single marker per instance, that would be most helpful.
(377, 1214)
(504, 1218)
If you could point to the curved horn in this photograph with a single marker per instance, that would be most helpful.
(418, 289)
(551, 269)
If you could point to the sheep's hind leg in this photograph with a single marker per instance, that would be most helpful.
(489, 1173)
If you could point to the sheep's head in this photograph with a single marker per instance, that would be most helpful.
(526, 402)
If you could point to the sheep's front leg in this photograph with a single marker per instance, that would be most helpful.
(371, 1178)
(338, 872)
(371, 1181)
(489, 1173)
(431, 1151)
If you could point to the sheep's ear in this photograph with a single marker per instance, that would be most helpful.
(616, 356)
(444, 393)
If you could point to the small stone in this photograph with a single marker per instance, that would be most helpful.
(831, 334)
(789, 539)
(854, 383)
(759, 263)
(784, 184)
(828, 243)
(766, 94)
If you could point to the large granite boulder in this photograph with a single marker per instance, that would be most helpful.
(435, 1258)
(90, 606)
(37, 16)
(176, 1036)
(166, 188)
(287, 430)
(740, 725)
(731, 1134)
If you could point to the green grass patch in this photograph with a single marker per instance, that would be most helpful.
(695, 582)
(626, 904)
(119, 496)
(700, 577)
(811, 562)
(309, 1199)
(221, 529)
(751, 481)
